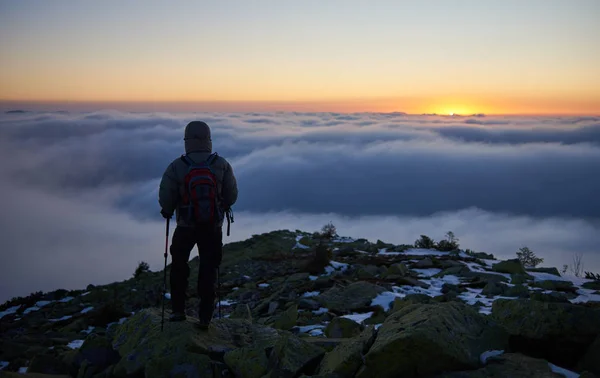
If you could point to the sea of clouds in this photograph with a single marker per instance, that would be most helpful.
(78, 191)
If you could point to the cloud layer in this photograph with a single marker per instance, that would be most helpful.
(534, 176)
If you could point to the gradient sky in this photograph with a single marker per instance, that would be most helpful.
(520, 57)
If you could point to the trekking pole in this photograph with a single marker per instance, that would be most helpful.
(219, 290)
(162, 321)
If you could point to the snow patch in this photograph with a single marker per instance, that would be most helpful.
(562, 371)
(66, 299)
(425, 252)
(86, 293)
(263, 285)
(42, 303)
(66, 317)
(226, 302)
(359, 318)
(344, 239)
(316, 332)
(335, 265)
(4, 364)
(378, 325)
(427, 272)
(23, 370)
(313, 278)
(490, 353)
(320, 311)
(309, 294)
(30, 309)
(168, 295)
(75, 344)
(308, 328)
(87, 309)
(541, 276)
(88, 330)
(385, 299)
(9, 311)
(586, 295)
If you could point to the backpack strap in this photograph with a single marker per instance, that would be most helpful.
(187, 160)
(211, 159)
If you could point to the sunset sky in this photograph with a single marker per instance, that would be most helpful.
(494, 57)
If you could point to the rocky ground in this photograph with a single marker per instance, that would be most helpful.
(292, 307)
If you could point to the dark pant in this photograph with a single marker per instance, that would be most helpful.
(210, 249)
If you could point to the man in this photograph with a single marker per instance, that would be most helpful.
(174, 196)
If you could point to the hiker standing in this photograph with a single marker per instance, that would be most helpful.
(200, 188)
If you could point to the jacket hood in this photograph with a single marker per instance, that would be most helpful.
(197, 137)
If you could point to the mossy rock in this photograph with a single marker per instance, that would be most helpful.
(287, 319)
(554, 296)
(346, 299)
(397, 270)
(423, 264)
(248, 362)
(346, 358)
(400, 303)
(591, 360)
(519, 291)
(518, 279)
(341, 327)
(292, 356)
(558, 332)
(564, 286)
(366, 271)
(452, 332)
(493, 289)
(513, 266)
(552, 271)
(592, 285)
(513, 365)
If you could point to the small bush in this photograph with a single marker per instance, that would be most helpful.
(528, 258)
(592, 276)
(142, 268)
(425, 242)
(328, 232)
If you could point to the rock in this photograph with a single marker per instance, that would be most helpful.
(346, 299)
(248, 362)
(397, 270)
(48, 363)
(558, 332)
(550, 297)
(297, 277)
(366, 271)
(400, 303)
(97, 351)
(423, 264)
(346, 358)
(308, 304)
(519, 291)
(182, 347)
(342, 327)
(512, 266)
(483, 255)
(592, 285)
(513, 365)
(518, 279)
(591, 360)
(272, 307)
(287, 319)
(411, 281)
(241, 311)
(553, 271)
(453, 333)
(565, 286)
(292, 356)
(492, 289)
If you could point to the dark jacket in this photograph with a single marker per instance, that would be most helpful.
(198, 146)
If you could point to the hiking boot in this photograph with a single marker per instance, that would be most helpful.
(177, 317)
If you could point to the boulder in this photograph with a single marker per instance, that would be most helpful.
(553, 271)
(424, 264)
(400, 303)
(181, 347)
(428, 339)
(397, 270)
(565, 286)
(513, 266)
(518, 279)
(349, 298)
(308, 304)
(550, 297)
(342, 327)
(558, 332)
(592, 285)
(292, 356)
(95, 355)
(493, 289)
(346, 358)
(287, 319)
(591, 360)
(519, 291)
(366, 271)
(513, 365)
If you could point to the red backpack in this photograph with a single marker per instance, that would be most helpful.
(201, 197)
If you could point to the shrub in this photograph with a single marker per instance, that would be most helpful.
(425, 242)
(328, 231)
(592, 276)
(142, 268)
(528, 258)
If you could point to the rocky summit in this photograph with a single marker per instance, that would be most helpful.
(296, 304)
